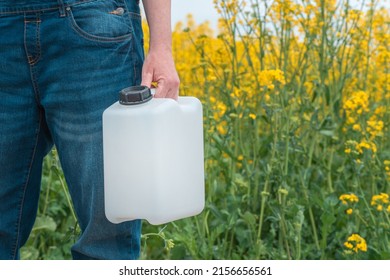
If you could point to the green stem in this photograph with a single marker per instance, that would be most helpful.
(283, 225)
(305, 191)
(63, 185)
(330, 183)
(50, 177)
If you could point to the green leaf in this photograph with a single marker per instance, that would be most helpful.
(329, 133)
(29, 253)
(45, 223)
(249, 218)
(327, 94)
(240, 181)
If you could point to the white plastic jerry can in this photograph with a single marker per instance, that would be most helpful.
(153, 158)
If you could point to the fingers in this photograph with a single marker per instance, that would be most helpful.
(168, 89)
(147, 79)
(159, 68)
(164, 89)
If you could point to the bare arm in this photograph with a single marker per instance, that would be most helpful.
(159, 65)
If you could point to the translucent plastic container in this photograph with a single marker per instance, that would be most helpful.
(153, 158)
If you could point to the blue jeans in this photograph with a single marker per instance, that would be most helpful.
(62, 62)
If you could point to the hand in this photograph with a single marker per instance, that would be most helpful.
(159, 67)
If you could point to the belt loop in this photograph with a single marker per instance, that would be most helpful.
(61, 7)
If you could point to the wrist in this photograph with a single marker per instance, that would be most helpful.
(160, 47)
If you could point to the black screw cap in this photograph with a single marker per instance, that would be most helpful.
(135, 95)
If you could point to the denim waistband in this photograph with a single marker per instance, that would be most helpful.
(26, 6)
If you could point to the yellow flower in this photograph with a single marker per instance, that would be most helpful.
(357, 127)
(351, 146)
(380, 111)
(366, 145)
(348, 245)
(380, 201)
(252, 116)
(268, 77)
(350, 120)
(356, 243)
(221, 127)
(348, 197)
(358, 102)
(383, 197)
(375, 127)
(219, 110)
(387, 168)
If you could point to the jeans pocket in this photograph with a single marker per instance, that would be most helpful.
(102, 21)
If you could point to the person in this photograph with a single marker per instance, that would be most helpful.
(63, 62)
